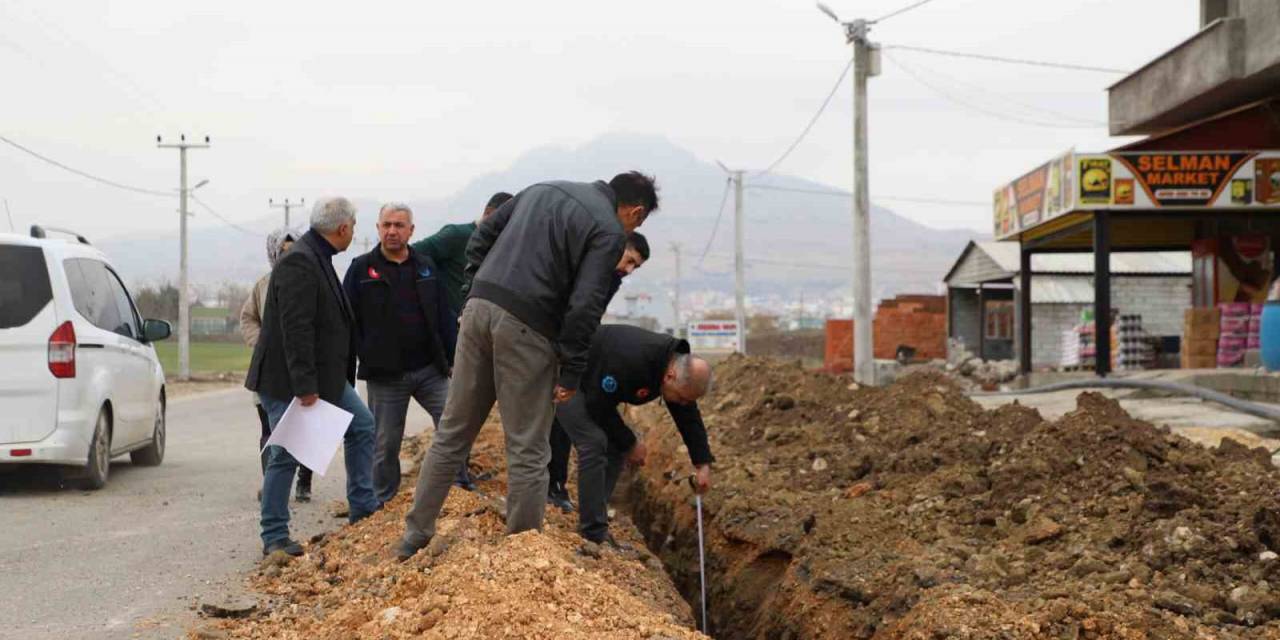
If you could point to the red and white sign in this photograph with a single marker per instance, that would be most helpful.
(710, 336)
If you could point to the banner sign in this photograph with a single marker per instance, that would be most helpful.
(1131, 180)
(712, 336)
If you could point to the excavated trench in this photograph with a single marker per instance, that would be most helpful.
(909, 512)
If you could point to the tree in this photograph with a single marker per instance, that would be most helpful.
(159, 302)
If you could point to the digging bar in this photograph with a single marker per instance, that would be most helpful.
(702, 555)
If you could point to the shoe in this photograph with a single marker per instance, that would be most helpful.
(302, 493)
(464, 481)
(406, 549)
(611, 542)
(287, 545)
(558, 497)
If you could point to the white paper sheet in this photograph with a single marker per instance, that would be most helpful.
(311, 434)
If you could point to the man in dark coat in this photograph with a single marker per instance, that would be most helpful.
(306, 351)
(634, 366)
(406, 335)
(636, 254)
(541, 267)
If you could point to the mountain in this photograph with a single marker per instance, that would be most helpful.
(795, 241)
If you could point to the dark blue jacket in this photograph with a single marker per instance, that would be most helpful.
(374, 304)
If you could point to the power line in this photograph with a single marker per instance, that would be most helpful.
(980, 109)
(846, 194)
(221, 217)
(901, 11)
(724, 198)
(840, 80)
(990, 58)
(112, 183)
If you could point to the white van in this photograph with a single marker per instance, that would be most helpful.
(79, 379)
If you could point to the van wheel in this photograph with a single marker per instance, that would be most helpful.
(153, 454)
(94, 476)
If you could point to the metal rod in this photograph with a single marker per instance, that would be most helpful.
(702, 563)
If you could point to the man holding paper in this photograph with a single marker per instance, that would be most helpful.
(305, 354)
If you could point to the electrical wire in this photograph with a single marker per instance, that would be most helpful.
(112, 183)
(901, 11)
(991, 58)
(980, 109)
(808, 127)
(846, 194)
(724, 198)
(221, 217)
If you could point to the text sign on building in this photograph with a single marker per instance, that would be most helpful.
(713, 336)
(1135, 180)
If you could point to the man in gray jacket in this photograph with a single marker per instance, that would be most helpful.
(541, 267)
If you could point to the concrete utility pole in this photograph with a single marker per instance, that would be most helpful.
(866, 64)
(184, 304)
(675, 301)
(739, 265)
(286, 205)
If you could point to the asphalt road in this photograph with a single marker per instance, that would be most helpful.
(134, 559)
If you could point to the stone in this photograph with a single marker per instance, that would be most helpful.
(1041, 529)
(855, 414)
(590, 550)
(819, 464)
(277, 558)
(1268, 556)
(1170, 601)
(438, 546)
(389, 615)
(241, 607)
(209, 633)
(784, 402)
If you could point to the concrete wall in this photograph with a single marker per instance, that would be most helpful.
(1160, 300)
(964, 317)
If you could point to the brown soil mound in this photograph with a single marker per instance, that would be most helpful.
(471, 582)
(909, 512)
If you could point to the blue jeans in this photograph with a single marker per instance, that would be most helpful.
(357, 450)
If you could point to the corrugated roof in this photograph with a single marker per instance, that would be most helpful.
(1062, 290)
(1006, 255)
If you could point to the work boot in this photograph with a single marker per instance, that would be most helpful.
(558, 497)
(286, 545)
(302, 493)
(405, 549)
(464, 480)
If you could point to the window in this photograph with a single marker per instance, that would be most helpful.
(129, 326)
(999, 320)
(94, 297)
(25, 288)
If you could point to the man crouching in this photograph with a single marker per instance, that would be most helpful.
(635, 366)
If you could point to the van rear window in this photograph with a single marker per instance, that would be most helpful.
(24, 287)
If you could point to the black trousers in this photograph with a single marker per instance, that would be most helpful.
(558, 468)
(599, 465)
(304, 474)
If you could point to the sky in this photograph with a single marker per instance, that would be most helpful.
(410, 100)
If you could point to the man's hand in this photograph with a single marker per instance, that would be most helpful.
(562, 395)
(637, 455)
(308, 399)
(702, 479)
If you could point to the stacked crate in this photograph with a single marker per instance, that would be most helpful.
(1130, 347)
(1233, 334)
(1200, 332)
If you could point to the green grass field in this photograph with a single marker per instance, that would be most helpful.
(206, 357)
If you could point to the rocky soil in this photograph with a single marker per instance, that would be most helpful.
(471, 582)
(910, 512)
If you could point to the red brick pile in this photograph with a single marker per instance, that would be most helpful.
(910, 320)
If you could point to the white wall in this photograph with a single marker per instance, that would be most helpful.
(1159, 300)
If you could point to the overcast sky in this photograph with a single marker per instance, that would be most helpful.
(408, 100)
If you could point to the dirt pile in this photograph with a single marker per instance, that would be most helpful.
(471, 582)
(910, 512)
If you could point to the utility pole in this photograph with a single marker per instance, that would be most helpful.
(184, 304)
(866, 64)
(739, 268)
(286, 205)
(675, 301)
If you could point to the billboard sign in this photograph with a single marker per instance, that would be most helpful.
(713, 336)
(1137, 180)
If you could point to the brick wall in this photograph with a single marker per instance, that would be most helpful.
(918, 321)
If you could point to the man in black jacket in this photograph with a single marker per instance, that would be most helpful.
(541, 267)
(406, 334)
(306, 351)
(632, 365)
(634, 257)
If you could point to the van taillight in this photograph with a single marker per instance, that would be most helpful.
(62, 351)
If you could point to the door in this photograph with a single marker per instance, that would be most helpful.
(28, 390)
(108, 355)
(138, 386)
